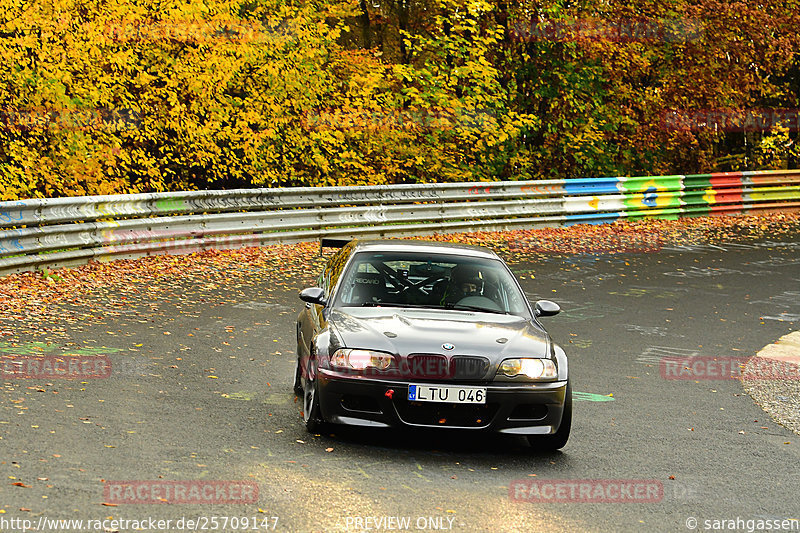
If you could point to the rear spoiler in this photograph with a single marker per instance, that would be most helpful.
(332, 243)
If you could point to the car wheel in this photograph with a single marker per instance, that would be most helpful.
(557, 440)
(311, 412)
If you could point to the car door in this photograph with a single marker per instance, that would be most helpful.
(313, 317)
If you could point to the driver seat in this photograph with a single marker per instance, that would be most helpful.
(368, 287)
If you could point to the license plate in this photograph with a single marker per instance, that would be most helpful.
(446, 394)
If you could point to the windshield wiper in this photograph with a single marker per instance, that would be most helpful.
(476, 308)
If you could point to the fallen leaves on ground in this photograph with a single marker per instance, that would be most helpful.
(50, 305)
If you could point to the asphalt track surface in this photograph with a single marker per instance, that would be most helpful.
(212, 400)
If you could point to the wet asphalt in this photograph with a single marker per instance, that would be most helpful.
(202, 391)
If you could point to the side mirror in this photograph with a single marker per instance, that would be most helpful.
(313, 295)
(546, 308)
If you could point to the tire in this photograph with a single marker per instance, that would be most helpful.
(557, 440)
(311, 412)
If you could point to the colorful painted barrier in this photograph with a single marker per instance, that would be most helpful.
(52, 232)
(681, 196)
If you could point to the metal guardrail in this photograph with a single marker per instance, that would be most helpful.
(55, 232)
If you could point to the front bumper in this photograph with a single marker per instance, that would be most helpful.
(524, 409)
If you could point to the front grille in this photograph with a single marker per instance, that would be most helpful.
(427, 366)
(469, 367)
(437, 367)
(446, 414)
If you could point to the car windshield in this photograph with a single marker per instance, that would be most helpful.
(444, 281)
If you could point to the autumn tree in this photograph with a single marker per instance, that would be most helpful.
(112, 96)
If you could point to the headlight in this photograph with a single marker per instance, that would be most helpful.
(361, 359)
(532, 368)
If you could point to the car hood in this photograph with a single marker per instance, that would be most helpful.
(405, 331)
